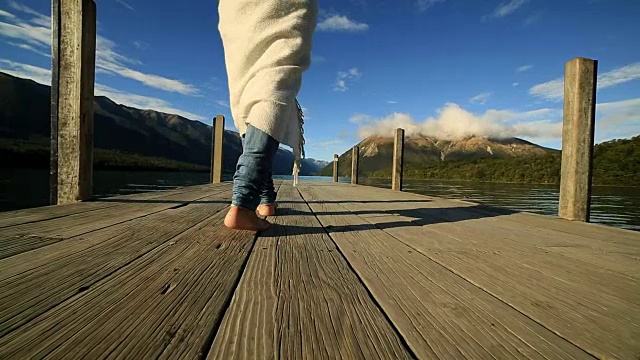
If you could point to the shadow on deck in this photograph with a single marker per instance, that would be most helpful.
(345, 272)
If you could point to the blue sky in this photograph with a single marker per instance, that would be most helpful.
(448, 68)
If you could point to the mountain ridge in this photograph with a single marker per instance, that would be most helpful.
(25, 114)
(376, 151)
(615, 162)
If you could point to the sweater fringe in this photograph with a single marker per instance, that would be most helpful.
(299, 151)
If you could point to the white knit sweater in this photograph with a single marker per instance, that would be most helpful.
(267, 46)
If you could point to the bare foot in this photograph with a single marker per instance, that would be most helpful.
(243, 219)
(267, 210)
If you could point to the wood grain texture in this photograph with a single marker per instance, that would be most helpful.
(398, 160)
(55, 93)
(583, 301)
(32, 215)
(336, 159)
(610, 248)
(298, 299)
(579, 118)
(87, 81)
(217, 148)
(441, 315)
(355, 160)
(162, 305)
(35, 282)
(29, 236)
(347, 271)
(601, 233)
(75, 64)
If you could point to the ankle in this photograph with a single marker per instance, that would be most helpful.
(267, 209)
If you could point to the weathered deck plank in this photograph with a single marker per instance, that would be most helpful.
(441, 314)
(31, 215)
(617, 251)
(299, 299)
(29, 236)
(347, 271)
(178, 291)
(35, 282)
(593, 307)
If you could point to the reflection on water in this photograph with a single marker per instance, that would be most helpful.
(614, 206)
(24, 188)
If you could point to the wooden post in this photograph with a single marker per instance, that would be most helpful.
(335, 167)
(355, 154)
(398, 157)
(73, 57)
(217, 140)
(577, 138)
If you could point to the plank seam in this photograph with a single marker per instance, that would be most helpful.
(492, 295)
(206, 348)
(208, 345)
(61, 216)
(476, 285)
(96, 282)
(110, 225)
(99, 200)
(403, 341)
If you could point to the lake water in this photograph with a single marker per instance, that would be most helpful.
(614, 206)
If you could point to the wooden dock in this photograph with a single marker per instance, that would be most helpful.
(347, 271)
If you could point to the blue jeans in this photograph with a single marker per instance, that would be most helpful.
(253, 182)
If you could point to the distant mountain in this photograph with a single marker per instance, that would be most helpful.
(317, 164)
(119, 129)
(376, 152)
(615, 162)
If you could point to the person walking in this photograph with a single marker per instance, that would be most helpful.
(267, 47)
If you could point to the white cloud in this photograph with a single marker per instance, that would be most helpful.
(30, 48)
(140, 45)
(524, 68)
(110, 60)
(305, 113)
(615, 120)
(454, 122)
(107, 55)
(22, 8)
(222, 103)
(143, 102)
(481, 99)
(424, 5)
(505, 9)
(344, 76)
(554, 90)
(618, 106)
(37, 74)
(360, 118)
(155, 81)
(324, 144)
(37, 33)
(619, 76)
(551, 90)
(317, 59)
(515, 84)
(509, 7)
(391, 102)
(125, 4)
(39, 19)
(7, 14)
(43, 76)
(337, 23)
(31, 33)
